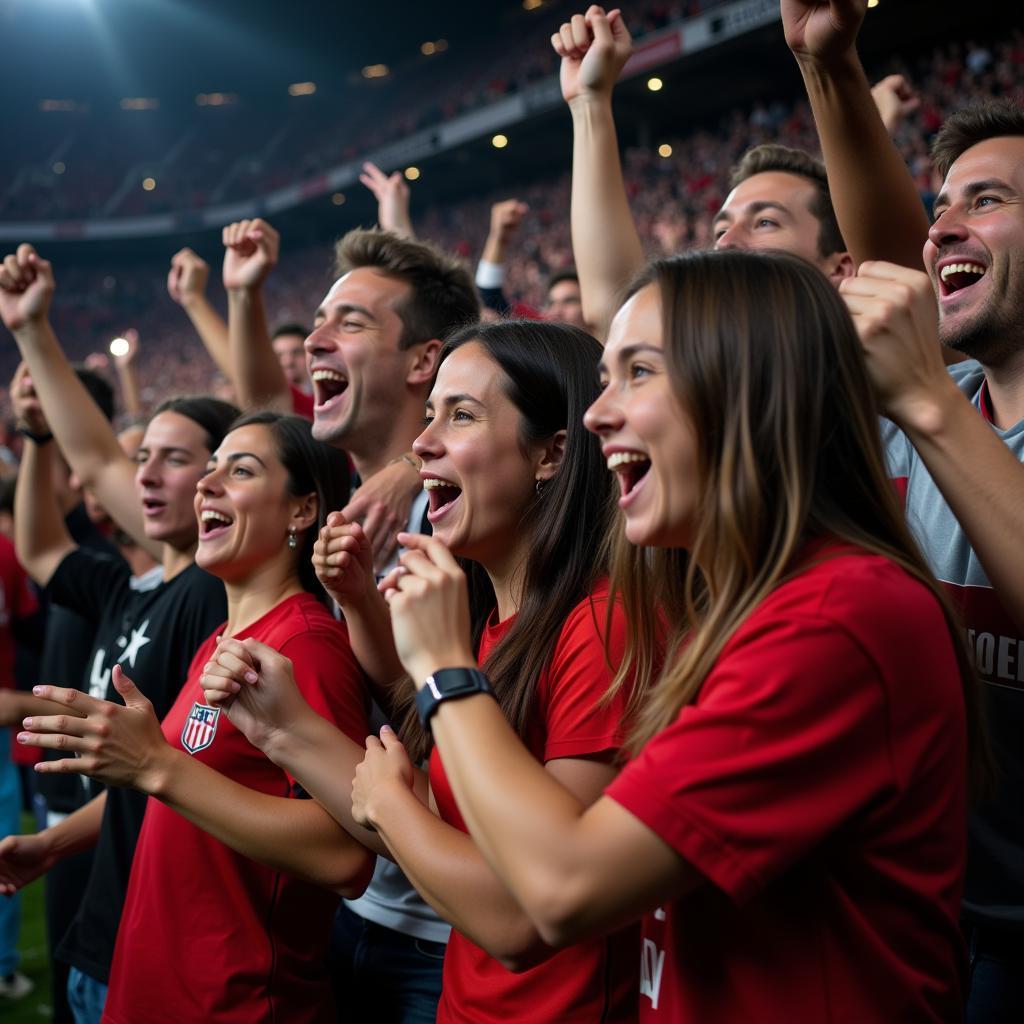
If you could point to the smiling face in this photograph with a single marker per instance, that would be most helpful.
(356, 365)
(975, 251)
(478, 478)
(170, 460)
(647, 439)
(243, 506)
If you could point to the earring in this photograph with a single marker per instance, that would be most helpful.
(292, 542)
(539, 485)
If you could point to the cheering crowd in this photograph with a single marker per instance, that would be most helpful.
(653, 655)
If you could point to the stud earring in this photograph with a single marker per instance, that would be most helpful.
(292, 542)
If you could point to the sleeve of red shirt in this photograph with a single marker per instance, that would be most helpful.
(787, 740)
(577, 721)
(327, 674)
(302, 404)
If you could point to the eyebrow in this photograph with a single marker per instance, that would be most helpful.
(973, 189)
(755, 208)
(629, 351)
(235, 456)
(450, 400)
(163, 450)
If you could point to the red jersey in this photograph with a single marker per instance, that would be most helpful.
(208, 935)
(591, 981)
(818, 783)
(17, 601)
(302, 405)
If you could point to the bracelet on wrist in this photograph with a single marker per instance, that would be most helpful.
(34, 437)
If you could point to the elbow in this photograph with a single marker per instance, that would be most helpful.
(356, 871)
(557, 909)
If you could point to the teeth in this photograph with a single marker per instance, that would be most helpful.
(431, 482)
(329, 375)
(208, 516)
(621, 458)
(961, 268)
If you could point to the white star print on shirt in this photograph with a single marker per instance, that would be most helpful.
(137, 642)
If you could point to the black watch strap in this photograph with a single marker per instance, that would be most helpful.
(35, 438)
(449, 684)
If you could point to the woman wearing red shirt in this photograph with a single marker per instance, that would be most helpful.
(791, 829)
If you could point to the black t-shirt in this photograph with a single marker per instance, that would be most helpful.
(153, 636)
(67, 647)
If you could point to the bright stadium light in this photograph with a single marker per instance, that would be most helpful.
(338, 199)
(148, 184)
(655, 84)
(412, 173)
(119, 347)
(664, 150)
(499, 141)
(872, 3)
(302, 89)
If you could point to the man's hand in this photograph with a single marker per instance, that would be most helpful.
(896, 99)
(382, 506)
(894, 311)
(594, 48)
(187, 278)
(26, 288)
(821, 30)
(25, 405)
(22, 860)
(392, 195)
(250, 253)
(506, 217)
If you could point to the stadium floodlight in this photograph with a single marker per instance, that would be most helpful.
(412, 173)
(302, 89)
(664, 151)
(119, 347)
(338, 199)
(655, 84)
(148, 184)
(499, 141)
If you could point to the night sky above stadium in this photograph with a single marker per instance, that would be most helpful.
(174, 49)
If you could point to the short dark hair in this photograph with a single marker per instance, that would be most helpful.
(313, 467)
(100, 389)
(773, 157)
(569, 274)
(972, 125)
(212, 414)
(299, 329)
(443, 297)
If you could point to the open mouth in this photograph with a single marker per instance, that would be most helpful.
(327, 385)
(631, 468)
(212, 523)
(152, 507)
(441, 495)
(957, 276)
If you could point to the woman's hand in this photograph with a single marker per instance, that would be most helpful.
(256, 686)
(429, 608)
(118, 745)
(386, 765)
(343, 560)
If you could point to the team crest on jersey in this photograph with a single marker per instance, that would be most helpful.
(200, 727)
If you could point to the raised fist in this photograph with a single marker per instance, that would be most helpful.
(26, 287)
(250, 253)
(187, 277)
(594, 48)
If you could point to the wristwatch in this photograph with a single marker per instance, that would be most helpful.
(449, 684)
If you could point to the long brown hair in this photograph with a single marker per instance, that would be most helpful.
(550, 375)
(764, 357)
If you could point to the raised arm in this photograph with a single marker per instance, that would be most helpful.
(606, 247)
(506, 217)
(123, 746)
(879, 211)
(85, 437)
(392, 195)
(40, 536)
(250, 253)
(124, 363)
(186, 285)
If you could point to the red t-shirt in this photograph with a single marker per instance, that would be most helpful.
(818, 782)
(17, 601)
(302, 405)
(208, 935)
(592, 981)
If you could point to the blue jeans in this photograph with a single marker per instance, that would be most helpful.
(382, 975)
(86, 997)
(996, 993)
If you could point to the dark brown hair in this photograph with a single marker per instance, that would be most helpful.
(773, 157)
(550, 375)
(442, 295)
(972, 125)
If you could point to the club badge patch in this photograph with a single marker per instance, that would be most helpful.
(200, 727)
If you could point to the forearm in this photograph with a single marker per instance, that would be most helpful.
(605, 242)
(212, 331)
(373, 643)
(40, 536)
(256, 372)
(982, 482)
(78, 831)
(323, 760)
(880, 213)
(290, 835)
(448, 871)
(131, 397)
